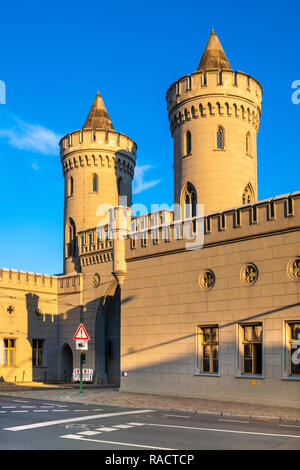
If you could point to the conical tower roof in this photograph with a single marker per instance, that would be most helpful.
(98, 116)
(213, 57)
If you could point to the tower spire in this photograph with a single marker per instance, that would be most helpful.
(98, 116)
(213, 57)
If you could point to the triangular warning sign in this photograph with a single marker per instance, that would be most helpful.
(81, 333)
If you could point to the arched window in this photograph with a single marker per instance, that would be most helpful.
(193, 112)
(186, 116)
(188, 143)
(227, 109)
(95, 184)
(220, 81)
(248, 143)
(189, 201)
(70, 186)
(120, 186)
(72, 242)
(219, 107)
(209, 108)
(201, 109)
(243, 112)
(220, 138)
(235, 110)
(248, 194)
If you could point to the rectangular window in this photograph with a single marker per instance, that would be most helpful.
(37, 352)
(294, 348)
(208, 354)
(9, 352)
(252, 349)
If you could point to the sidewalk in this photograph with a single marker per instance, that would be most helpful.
(95, 394)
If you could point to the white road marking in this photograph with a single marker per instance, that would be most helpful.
(122, 426)
(28, 406)
(137, 424)
(8, 407)
(20, 411)
(70, 420)
(58, 411)
(40, 411)
(290, 426)
(233, 420)
(106, 429)
(226, 430)
(88, 410)
(129, 444)
(89, 433)
(21, 401)
(178, 416)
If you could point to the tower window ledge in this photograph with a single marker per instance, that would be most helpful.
(220, 150)
(187, 155)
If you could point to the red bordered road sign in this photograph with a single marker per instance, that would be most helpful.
(81, 333)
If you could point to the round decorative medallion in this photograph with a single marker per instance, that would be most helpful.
(294, 269)
(96, 280)
(207, 279)
(10, 309)
(249, 274)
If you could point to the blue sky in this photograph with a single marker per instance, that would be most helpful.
(55, 56)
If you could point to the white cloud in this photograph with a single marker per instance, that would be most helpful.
(139, 184)
(33, 137)
(35, 166)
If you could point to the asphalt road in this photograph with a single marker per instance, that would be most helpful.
(31, 424)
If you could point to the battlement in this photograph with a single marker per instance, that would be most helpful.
(102, 148)
(281, 213)
(15, 279)
(95, 246)
(236, 93)
(88, 139)
(42, 283)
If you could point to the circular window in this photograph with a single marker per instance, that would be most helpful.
(249, 274)
(207, 279)
(294, 269)
(96, 280)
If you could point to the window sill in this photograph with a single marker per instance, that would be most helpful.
(249, 376)
(207, 374)
(219, 150)
(187, 155)
(291, 377)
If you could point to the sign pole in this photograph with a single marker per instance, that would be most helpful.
(81, 391)
(82, 336)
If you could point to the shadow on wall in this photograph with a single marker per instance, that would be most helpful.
(53, 349)
(183, 375)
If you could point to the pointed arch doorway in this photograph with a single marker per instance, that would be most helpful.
(66, 363)
(108, 336)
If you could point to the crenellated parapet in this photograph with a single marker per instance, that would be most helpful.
(214, 93)
(98, 148)
(279, 214)
(11, 278)
(95, 246)
(36, 282)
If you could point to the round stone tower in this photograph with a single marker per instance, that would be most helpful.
(98, 166)
(214, 118)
